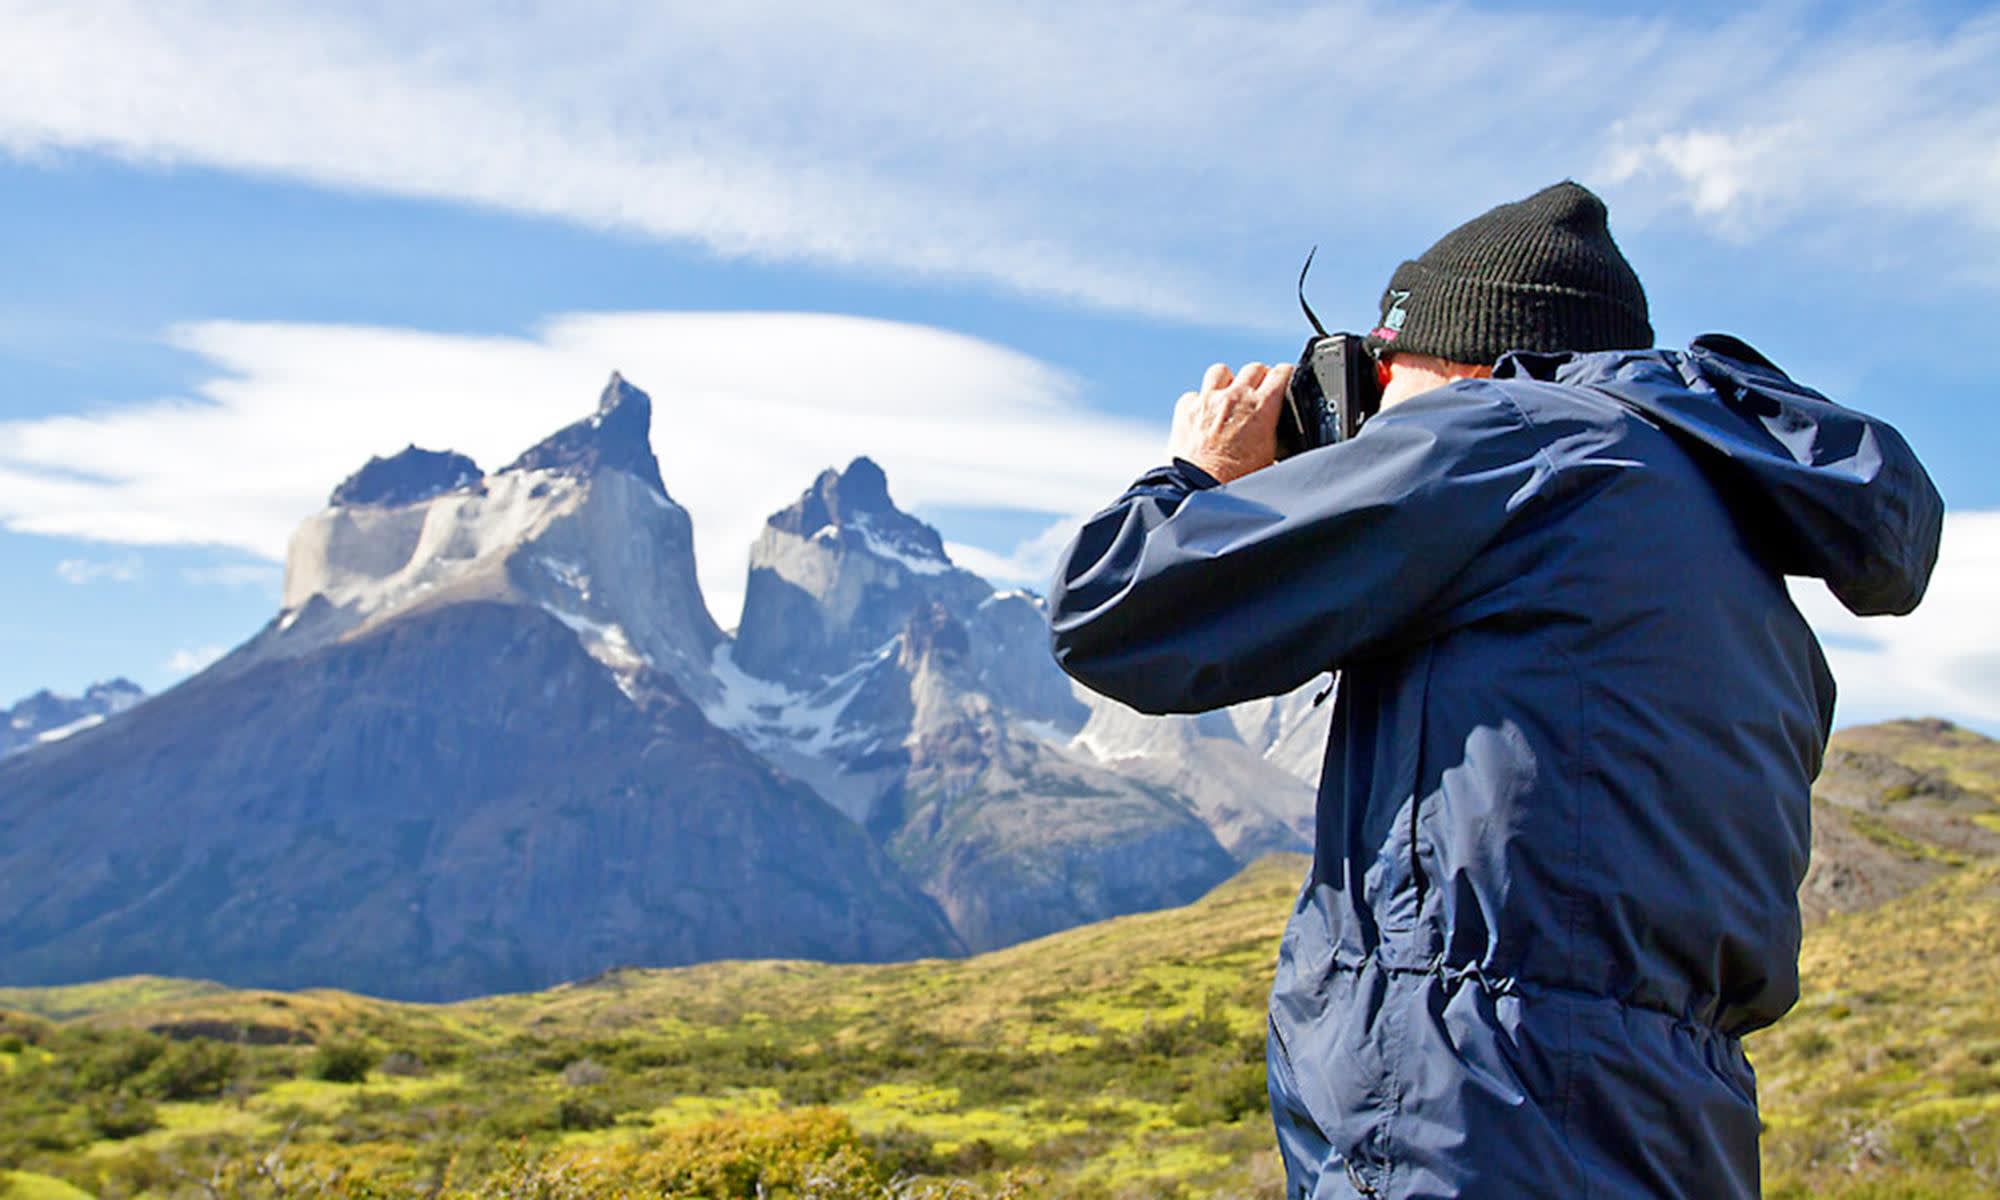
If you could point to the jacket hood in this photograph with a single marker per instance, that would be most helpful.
(1821, 490)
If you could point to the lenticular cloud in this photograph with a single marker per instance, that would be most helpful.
(749, 407)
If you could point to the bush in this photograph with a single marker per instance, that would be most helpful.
(120, 1117)
(190, 1070)
(341, 1062)
(1224, 1096)
(112, 1063)
(577, 1113)
(806, 1152)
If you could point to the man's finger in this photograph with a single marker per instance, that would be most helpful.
(1251, 375)
(1274, 382)
(1217, 378)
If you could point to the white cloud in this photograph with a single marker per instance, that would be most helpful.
(1032, 561)
(679, 122)
(1942, 660)
(747, 409)
(1721, 172)
(186, 661)
(1167, 159)
(89, 570)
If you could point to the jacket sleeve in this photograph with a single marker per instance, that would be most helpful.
(1185, 595)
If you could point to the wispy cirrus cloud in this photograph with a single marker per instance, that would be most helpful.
(1891, 114)
(126, 569)
(1149, 158)
(748, 408)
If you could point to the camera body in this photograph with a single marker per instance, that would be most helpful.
(1333, 391)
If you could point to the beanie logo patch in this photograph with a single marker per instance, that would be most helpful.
(1392, 321)
(1396, 315)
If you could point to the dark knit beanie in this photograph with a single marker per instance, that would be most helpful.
(1539, 274)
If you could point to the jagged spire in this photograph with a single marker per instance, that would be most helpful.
(616, 437)
(864, 488)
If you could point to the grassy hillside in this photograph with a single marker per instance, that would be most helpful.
(1122, 1059)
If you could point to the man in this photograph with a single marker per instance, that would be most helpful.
(1563, 813)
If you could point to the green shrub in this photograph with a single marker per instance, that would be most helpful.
(1224, 1096)
(120, 1116)
(341, 1062)
(190, 1070)
(576, 1113)
(111, 1063)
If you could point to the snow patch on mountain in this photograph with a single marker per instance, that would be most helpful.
(606, 642)
(62, 731)
(911, 555)
(768, 714)
(570, 574)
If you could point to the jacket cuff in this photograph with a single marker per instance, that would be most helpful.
(1175, 481)
(1196, 479)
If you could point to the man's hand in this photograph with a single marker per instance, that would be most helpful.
(1230, 427)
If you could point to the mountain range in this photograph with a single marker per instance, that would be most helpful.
(46, 717)
(493, 739)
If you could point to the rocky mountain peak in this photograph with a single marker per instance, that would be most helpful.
(863, 487)
(837, 573)
(406, 477)
(840, 498)
(616, 437)
(580, 526)
(853, 507)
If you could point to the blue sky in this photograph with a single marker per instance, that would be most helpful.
(247, 246)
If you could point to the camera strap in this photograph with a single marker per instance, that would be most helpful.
(1310, 314)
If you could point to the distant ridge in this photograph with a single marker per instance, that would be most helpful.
(46, 717)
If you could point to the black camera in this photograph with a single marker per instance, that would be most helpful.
(1334, 389)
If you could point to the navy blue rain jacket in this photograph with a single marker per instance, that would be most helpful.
(1563, 814)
